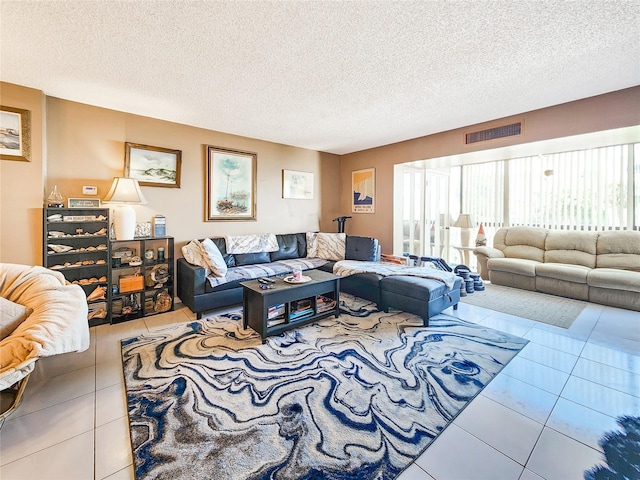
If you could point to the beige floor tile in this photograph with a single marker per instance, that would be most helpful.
(111, 404)
(31, 433)
(71, 459)
(109, 373)
(113, 447)
(43, 392)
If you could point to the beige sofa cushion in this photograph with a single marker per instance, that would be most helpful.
(561, 271)
(619, 249)
(518, 266)
(615, 279)
(521, 242)
(573, 247)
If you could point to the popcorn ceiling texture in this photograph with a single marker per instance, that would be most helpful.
(333, 76)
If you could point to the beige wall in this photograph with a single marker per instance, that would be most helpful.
(85, 146)
(604, 112)
(21, 185)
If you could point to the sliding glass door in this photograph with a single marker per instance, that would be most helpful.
(421, 212)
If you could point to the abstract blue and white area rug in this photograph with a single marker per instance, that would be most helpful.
(357, 397)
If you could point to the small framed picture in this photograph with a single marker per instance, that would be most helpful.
(363, 191)
(297, 184)
(15, 134)
(83, 203)
(153, 166)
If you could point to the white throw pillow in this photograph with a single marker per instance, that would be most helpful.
(218, 265)
(11, 315)
(331, 246)
(312, 244)
(205, 254)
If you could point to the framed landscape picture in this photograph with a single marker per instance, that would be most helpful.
(153, 166)
(231, 184)
(15, 134)
(363, 191)
(297, 184)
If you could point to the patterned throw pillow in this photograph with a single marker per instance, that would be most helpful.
(205, 254)
(331, 246)
(312, 244)
(11, 315)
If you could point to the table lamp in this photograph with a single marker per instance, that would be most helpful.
(124, 192)
(465, 223)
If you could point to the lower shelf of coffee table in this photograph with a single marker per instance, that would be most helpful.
(285, 306)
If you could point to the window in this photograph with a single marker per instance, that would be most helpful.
(595, 189)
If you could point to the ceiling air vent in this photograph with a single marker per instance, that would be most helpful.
(493, 133)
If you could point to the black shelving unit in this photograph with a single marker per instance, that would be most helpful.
(141, 290)
(76, 243)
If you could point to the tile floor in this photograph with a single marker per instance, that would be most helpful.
(540, 418)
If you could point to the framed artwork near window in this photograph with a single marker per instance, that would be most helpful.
(363, 191)
(152, 166)
(297, 184)
(15, 134)
(231, 184)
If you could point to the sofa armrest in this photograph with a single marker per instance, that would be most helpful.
(191, 281)
(483, 254)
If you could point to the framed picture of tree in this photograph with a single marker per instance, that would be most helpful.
(231, 184)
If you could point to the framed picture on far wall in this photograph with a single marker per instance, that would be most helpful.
(153, 166)
(231, 184)
(297, 184)
(15, 134)
(363, 191)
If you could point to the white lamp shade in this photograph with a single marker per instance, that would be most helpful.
(464, 221)
(125, 191)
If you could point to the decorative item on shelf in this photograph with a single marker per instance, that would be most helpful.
(159, 225)
(481, 239)
(143, 229)
(160, 253)
(148, 255)
(125, 192)
(163, 302)
(54, 200)
(465, 223)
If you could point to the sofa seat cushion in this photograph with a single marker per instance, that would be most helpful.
(419, 288)
(519, 266)
(614, 279)
(562, 271)
(244, 273)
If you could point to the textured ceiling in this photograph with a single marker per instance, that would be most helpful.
(335, 76)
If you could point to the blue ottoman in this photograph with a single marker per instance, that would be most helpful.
(421, 296)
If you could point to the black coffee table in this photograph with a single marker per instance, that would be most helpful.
(284, 305)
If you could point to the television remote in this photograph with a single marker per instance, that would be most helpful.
(269, 280)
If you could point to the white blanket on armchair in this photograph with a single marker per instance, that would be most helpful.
(58, 323)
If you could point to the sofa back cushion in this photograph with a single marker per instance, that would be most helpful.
(222, 246)
(521, 242)
(252, 258)
(364, 249)
(619, 249)
(288, 247)
(575, 248)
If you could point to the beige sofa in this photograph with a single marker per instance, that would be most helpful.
(599, 267)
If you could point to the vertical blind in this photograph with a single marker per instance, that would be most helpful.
(595, 189)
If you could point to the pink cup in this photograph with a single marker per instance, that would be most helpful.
(297, 274)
